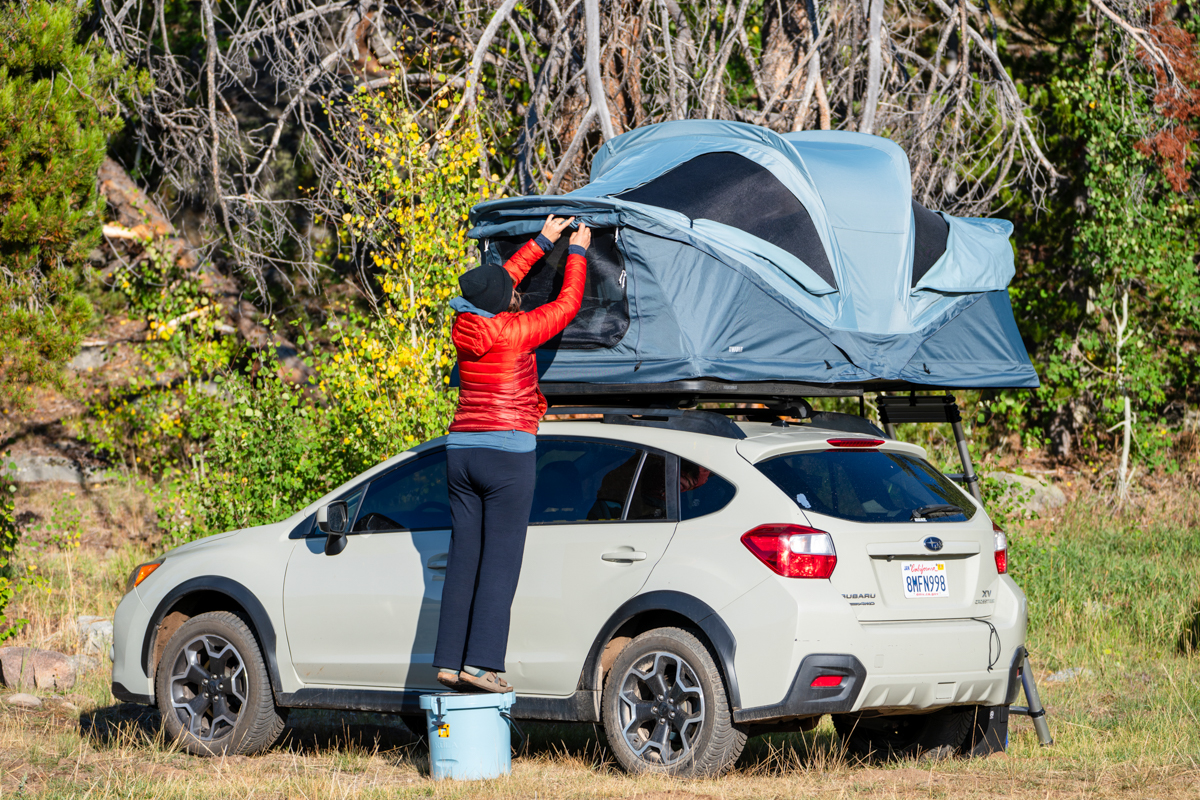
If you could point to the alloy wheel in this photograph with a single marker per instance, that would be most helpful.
(661, 708)
(208, 686)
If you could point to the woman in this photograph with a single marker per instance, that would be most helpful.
(490, 456)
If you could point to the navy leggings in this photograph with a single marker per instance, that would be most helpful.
(491, 493)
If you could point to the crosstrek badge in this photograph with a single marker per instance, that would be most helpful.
(924, 579)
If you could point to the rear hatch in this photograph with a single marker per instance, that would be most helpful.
(910, 544)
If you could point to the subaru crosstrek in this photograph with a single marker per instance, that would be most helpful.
(688, 581)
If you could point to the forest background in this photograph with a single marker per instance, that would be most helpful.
(249, 217)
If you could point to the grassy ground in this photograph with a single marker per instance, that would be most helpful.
(1111, 594)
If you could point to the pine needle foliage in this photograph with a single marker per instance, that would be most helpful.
(58, 107)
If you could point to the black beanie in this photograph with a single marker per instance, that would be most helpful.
(488, 288)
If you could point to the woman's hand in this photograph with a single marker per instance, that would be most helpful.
(554, 226)
(582, 236)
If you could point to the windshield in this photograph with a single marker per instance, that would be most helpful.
(868, 486)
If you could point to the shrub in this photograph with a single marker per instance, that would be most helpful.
(58, 107)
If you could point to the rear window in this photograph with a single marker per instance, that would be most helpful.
(868, 486)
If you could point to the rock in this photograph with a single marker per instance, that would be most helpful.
(23, 701)
(95, 636)
(1068, 674)
(941, 753)
(38, 469)
(84, 664)
(1029, 493)
(91, 356)
(27, 668)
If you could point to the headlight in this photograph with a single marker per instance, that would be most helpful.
(140, 573)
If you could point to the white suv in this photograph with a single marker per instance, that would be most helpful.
(688, 581)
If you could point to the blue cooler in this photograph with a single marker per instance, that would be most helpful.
(468, 735)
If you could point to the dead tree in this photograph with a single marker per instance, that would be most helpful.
(240, 105)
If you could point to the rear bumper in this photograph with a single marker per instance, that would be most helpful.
(859, 691)
(805, 700)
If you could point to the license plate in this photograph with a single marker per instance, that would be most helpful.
(925, 579)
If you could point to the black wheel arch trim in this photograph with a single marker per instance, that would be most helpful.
(125, 696)
(259, 619)
(701, 615)
(805, 700)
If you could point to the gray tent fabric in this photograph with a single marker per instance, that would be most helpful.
(727, 294)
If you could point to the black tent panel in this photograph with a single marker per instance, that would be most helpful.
(735, 191)
(931, 234)
(603, 317)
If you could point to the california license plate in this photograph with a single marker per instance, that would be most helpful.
(925, 579)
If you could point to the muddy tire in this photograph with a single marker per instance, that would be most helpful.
(213, 688)
(665, 710)
(939, 734)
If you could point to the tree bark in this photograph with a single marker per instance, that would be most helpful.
(595, 81)
(874, 66)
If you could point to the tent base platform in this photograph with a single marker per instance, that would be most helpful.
(680, 394)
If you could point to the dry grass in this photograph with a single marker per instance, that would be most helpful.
(1129, 729)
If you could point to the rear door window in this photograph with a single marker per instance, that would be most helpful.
(649, 498)
(582, 481)
(868, 486)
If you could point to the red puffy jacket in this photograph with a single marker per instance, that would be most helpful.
(496, 367)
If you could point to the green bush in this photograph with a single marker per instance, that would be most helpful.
(8, 546)
(58, 107)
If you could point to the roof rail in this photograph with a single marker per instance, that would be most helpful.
(676, 419)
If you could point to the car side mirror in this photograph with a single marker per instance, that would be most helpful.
(332, 520)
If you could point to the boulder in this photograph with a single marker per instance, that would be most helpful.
(1029, 493)
(32, 468)
(95, 637)
(23, 701)
(28, 668)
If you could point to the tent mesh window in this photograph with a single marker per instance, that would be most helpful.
(735, 191)
(932, 232)
(603, 317)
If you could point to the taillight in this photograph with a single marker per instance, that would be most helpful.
(793, 551)
(854, 442)
(1001, 549)
(826, 681)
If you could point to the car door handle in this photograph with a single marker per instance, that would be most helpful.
(439, 561)
(624, 555)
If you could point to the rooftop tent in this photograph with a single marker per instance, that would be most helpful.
(723, 250)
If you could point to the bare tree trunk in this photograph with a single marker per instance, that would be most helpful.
(874, 66)
(591, 10)
(1124, 475)
(269, 73)
(822, 100)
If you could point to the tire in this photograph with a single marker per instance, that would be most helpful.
(213, 688)
(689, 735)
(939, 734)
